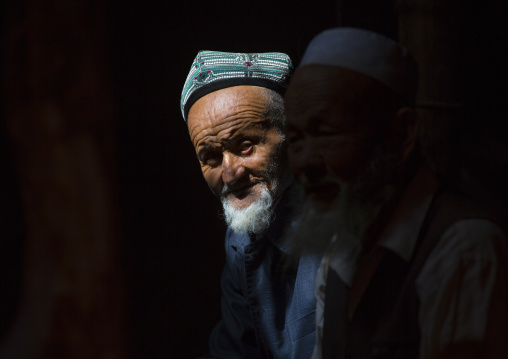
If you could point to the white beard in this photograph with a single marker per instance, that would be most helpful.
(256, 218)
(357, 207)
(315, 229)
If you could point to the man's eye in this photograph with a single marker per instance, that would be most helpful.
(211, 160)
(245, 147)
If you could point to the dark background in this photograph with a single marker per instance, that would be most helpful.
(174, 236)
(171, 236)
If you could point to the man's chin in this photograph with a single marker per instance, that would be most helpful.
(244, 199)
(249, 215)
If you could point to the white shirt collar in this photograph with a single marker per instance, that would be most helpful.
(401, 233)
(341, 257)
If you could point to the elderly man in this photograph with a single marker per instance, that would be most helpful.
(413, 268)
(234, 109)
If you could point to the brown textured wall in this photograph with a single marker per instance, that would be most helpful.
(60, 120)
(121, 238)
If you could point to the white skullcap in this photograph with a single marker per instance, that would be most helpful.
(368, 53)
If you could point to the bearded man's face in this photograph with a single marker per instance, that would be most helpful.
(337, 153)
(241, 154)
(331, 136)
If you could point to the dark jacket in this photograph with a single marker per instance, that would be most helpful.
(268, 311)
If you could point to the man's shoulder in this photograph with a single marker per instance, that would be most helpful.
(472, 224)
(458, 232)
(468, 225)
(473, 238)
(470, 237)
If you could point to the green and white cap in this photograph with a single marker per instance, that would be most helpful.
(215, 70)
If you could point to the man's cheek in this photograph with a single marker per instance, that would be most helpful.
(213, 177)
(258, 161)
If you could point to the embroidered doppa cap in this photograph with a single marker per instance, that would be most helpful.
(215, 70)
(368, 53)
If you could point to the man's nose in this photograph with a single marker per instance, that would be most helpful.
(232, 168)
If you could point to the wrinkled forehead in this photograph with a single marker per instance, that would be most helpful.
(228, 109)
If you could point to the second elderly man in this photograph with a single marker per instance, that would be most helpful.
(415, 269)
(234, 109)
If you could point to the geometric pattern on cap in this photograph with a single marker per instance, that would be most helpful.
(214, 70)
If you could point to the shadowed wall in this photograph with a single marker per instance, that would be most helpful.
(59, 119)
(114, 215)
(109, 231)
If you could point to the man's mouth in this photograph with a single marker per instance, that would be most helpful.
(239, 191)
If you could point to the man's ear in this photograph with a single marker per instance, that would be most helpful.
(408, 119)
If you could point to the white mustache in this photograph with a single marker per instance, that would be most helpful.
(226, 189)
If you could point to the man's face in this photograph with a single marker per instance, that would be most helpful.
(330, 132)
(238, 148)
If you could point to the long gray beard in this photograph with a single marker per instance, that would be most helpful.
(357, 207)
(254, 219)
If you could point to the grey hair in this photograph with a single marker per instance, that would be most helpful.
(275, 109)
